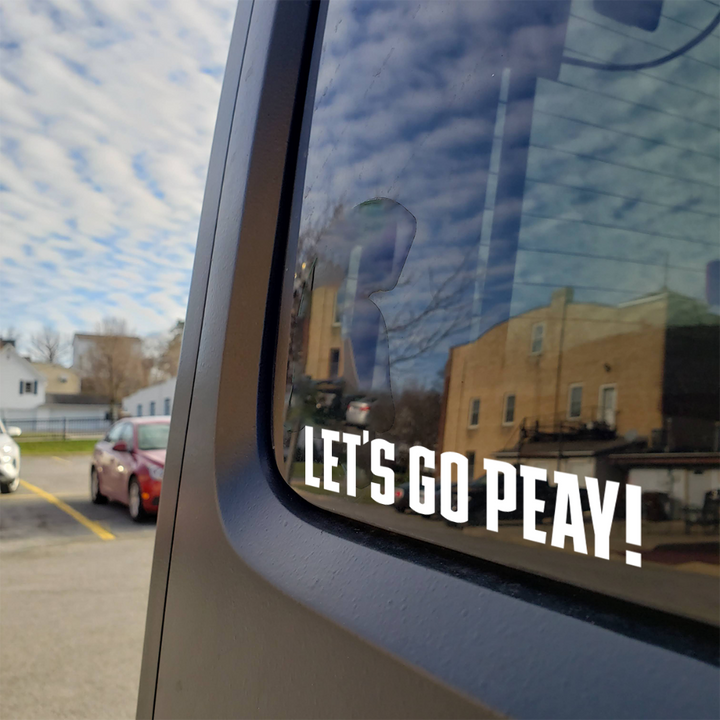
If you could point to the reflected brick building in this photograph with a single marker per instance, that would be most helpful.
(569, 383)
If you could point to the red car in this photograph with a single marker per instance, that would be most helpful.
(128, 465)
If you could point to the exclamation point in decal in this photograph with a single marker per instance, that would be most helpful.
(633, 523)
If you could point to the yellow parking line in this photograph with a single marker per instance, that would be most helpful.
(100, 531)
(59, 459)
(31, 496)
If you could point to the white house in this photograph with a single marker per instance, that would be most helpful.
(24, 395)
(22, 387)
(154, 400)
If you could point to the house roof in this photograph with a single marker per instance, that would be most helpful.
(666, 459)
(569, 448)
(10, 351)
(75, 399)
(130, 398)
(42, 366)
(91, 336)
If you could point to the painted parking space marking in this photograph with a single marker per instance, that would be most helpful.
(100, 531)
(32, 496)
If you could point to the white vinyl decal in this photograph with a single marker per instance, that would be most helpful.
(505, 486)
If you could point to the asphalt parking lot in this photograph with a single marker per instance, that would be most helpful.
(72, 597)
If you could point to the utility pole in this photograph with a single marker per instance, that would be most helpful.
(558, 373)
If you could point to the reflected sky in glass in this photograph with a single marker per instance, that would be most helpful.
(523, 174)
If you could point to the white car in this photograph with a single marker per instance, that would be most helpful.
(358, 412)
(9, 459)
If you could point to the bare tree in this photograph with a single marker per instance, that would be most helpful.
(162, 353)
(48, 346)
(314, 229)
(114, 362)
(424, 327)
(170, 357)
(420, 326)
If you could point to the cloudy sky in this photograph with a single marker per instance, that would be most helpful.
(620, 194)
(107, 111)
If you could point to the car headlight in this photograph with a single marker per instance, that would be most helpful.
(5, 459)
(156, 472)
(7, 448)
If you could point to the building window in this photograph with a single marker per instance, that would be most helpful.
(152, 407)
(509, 410)
(166, 409)
(339, 305)
(29, 388)
(608, 404)
(139, 411)
(537, 335)
(334, 363)
(575, 401)
(474, 414)
(471, 465)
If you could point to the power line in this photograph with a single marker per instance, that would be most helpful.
(681, 22)
(574, 287)
(657, 78)
(621, 229)
(621, 197)
(628, 167)
(613, 258)
(643, 105)
(624, 132)
(680, 52)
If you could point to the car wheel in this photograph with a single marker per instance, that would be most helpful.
(95, 495)
(135, 506)
(8, 487)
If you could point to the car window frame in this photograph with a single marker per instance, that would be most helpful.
(243, 251)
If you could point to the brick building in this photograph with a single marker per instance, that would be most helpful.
(569, 382)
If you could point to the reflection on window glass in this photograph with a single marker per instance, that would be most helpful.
(471, 463)
(575, 409)
(153, 436)
(509, 411)
(474, 412)
(538, 331)
(485, 179)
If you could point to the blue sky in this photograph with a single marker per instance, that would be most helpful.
(106, 118)
(620, 195)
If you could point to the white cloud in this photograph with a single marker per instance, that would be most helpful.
(107, 115)
(622, 175)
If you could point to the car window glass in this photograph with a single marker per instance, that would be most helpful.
(509, 250)
(114, 435)
(127, 435)
(153, 436)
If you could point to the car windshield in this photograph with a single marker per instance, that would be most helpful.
(153, 437)
(2, 428)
